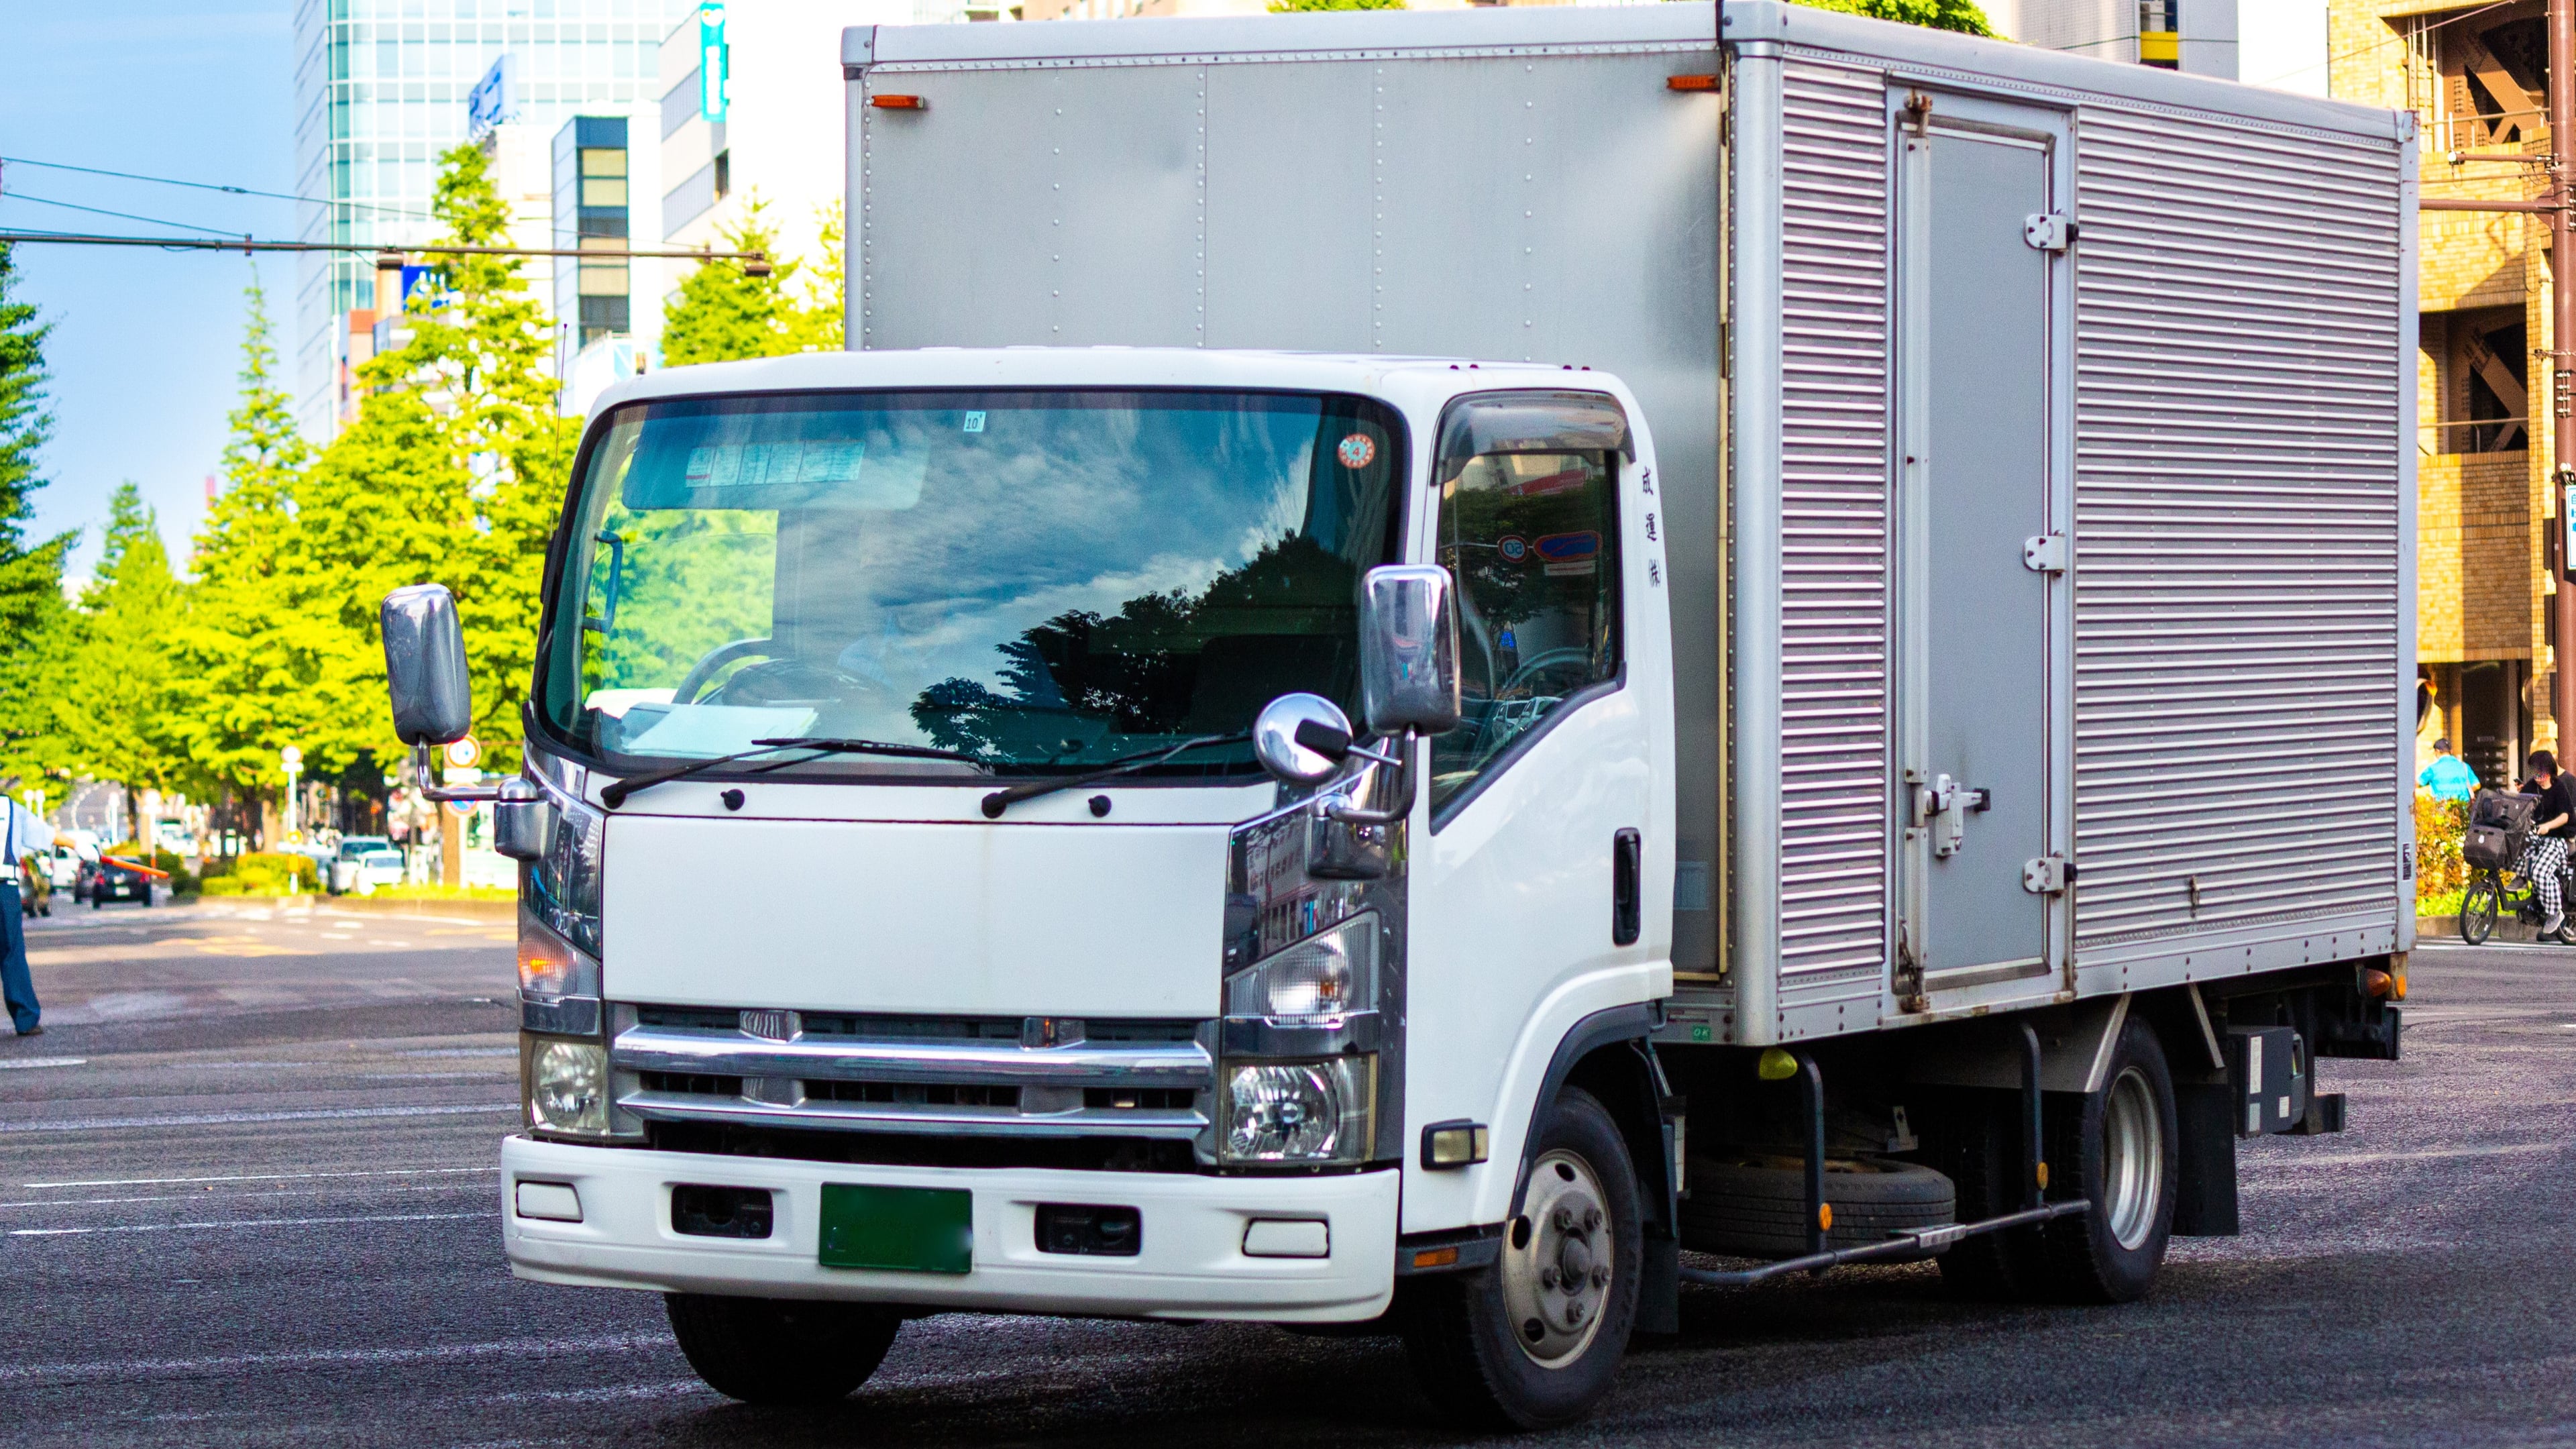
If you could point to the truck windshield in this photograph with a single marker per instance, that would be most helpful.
(1042, 580)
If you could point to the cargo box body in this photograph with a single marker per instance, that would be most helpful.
(2036, 443)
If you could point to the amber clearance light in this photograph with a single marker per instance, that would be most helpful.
(899, 103)
(1690, 83)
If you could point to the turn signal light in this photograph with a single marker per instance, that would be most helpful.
(899, 103)
(1436, 1258)
(1690, 83)
(2378, 983)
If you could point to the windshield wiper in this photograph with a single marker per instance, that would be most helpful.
(615, 794)
(1001, 800)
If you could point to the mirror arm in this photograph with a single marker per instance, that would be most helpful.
(461, 794)
(1340, 809)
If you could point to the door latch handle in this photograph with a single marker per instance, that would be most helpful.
(1976, 802)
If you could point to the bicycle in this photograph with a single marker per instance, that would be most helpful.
(2492, 888)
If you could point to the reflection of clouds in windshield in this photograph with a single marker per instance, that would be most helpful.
(967, 641)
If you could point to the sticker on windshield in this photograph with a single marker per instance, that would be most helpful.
(974, 422)
(1357, 451)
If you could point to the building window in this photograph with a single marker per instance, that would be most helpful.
(724, 174)
(2160, 34)
(2481, 372)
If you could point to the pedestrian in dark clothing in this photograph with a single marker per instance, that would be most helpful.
(22, 833)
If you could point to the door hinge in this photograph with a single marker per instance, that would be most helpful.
(2049, 553)
(2047, 875)
(2049, 231)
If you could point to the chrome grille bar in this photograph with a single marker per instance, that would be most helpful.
(1182, 1065)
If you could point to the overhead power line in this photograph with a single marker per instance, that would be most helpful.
(211, 186)
(103, 211)
(387, 257)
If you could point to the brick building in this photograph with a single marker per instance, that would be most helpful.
(2474, 74)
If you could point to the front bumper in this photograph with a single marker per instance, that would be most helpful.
(1191, 1262)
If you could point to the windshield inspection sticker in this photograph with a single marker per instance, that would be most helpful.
(974, 422)
(1357, 451)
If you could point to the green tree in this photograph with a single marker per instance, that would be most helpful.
(452, 472)
(33, 617)
(1959, 15)
(723, 313)
(117, 699)
(1291, 7)
(246, 652)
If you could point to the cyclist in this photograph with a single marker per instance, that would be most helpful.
(2553, 825)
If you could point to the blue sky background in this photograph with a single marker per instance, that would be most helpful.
(146, 344)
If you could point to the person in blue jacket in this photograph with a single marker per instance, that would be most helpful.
(2448, 777)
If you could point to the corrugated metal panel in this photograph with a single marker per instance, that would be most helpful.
(2237, 520)
(1833, 535)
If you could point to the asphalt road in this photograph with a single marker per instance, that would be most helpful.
(247, 1196)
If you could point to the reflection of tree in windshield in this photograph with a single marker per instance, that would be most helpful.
(1165, 665)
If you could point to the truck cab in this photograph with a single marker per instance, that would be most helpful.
(1110, 831)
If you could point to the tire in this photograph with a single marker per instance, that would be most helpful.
(1467, 1334)
(1974, 1137)
(2120, 1150)
(2478, 908)
(781, 1351)
(1756, 1205)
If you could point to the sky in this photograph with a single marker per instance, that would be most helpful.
(147, 344)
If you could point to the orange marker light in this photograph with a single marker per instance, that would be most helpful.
(1690, 83)
(899, 103)
(1825, 1216)
(1435, 1258)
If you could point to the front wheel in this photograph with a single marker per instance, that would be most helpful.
(1536, 1339)
(2479, 906)
(781, 1350)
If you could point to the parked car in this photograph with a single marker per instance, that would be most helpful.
(342, 872)
(62, 865)
(112, 880)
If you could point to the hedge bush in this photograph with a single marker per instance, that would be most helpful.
(262, 873)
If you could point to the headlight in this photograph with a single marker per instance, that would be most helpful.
(1331, 973)
(1299, 1112)
(565, 1084)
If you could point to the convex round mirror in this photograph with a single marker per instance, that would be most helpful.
(1275, 743)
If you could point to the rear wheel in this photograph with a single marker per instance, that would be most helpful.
(2478, 908)
(781, 1350)
(1536, 1339)
(2117, 1150)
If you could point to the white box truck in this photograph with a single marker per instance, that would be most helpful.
(1422, 662)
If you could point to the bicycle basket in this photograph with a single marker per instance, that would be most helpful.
(2487, 847)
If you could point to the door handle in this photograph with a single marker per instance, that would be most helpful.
(1627, 887)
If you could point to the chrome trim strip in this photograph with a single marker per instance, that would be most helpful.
(901, 1117)
(858, 1059)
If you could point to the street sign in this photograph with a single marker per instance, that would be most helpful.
(494, 98)
(464, 754)
(711, 62)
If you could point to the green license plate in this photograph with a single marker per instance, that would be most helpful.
(911, 1229)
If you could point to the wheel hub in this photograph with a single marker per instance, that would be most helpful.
(1556, 1260)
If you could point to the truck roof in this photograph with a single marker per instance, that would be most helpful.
(1547, 28)
(985, 367)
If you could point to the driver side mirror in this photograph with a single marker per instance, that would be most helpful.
(1408, 650)
(425, 666)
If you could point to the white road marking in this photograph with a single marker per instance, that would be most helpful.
(24, 1063)
(257, 1177)
(243, 1223)
(236, 1196)
(504, 1051)
(533, 1349)
(217, 1119)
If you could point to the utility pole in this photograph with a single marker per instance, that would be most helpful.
(2557, 205)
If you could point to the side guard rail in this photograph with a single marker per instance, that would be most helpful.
(1902, 1245)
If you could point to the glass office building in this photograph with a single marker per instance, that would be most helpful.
(381, 89)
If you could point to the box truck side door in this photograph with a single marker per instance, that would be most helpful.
(1981, 550)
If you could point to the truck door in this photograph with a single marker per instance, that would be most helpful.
(1983, 554)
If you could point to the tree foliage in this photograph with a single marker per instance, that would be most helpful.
(115, 706)
(34, 622)
(1959, 15)
(722, 313)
